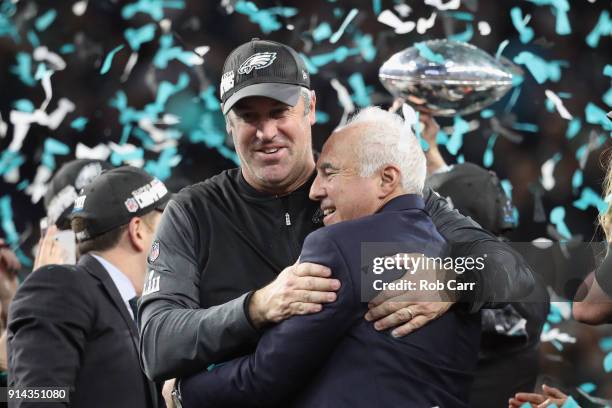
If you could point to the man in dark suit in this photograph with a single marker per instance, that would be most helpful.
(369, 181)
(73, 325)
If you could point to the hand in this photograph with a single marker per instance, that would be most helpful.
(167, 392)
(550, 396)
(430, 129)
(298, 290)
(407, 311)
(49, 250)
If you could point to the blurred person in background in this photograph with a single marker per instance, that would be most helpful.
(73, 325)
(9, 266)
(55, 245)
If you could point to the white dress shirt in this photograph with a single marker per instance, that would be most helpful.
(123, 284)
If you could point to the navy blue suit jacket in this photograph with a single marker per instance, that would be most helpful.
(335, 358)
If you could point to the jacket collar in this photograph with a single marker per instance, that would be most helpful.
(95, 269)
(404, 202)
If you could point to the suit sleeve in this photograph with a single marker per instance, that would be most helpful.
(505, 277)
(177, 337)
(48, 323)
(288, 354)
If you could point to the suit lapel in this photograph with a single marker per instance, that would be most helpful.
(99, 272)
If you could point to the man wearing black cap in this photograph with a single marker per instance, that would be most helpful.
(73, 326)
(223, 239)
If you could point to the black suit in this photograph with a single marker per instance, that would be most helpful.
(69, 327)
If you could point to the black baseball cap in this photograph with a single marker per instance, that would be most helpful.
(263, 68)
(477, 193)
(115, 197)
(65, 185)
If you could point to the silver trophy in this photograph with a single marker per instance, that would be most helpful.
(446, 78)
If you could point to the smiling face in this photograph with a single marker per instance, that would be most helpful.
(344, 194)
(273, 141)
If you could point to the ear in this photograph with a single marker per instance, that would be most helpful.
(390, 180)
(135, 234)
(312, 116)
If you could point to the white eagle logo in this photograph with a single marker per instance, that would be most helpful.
(257, 61)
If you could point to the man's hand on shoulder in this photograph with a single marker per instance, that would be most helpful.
(298, 290)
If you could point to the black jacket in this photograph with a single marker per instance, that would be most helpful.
(220, 239)
(69, 327)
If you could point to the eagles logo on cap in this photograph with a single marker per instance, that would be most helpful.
(257, 61)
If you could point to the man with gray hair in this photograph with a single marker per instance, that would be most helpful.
(369, 183)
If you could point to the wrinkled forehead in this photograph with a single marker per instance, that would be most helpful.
(339, 148)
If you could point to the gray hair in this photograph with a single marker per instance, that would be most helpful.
(386, 139)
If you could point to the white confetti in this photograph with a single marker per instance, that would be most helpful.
(202, 50)
(3, 127)
(56, 62)
(425, 24)
(99, 152)
(556, 334)
(484, 28)
(166, 25)
(351, 15)
(410, 116)
(548, 180)
(129, 66)
(451, 5)
(558, 104)
(38, 188)
(403, 10)
(344, 97)
(79, 7)
(401, 27)
(125, 150)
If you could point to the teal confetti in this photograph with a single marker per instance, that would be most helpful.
(42, 71)
(500, 49)
(349, 18)
(589, 198)
(33, 39)
(526, 405)
(607, 98)
(137, 37)
(597, 116)
(608, 70)
(322, 32)
(67, 49)
(45, 20)
(488, 157)
(339, 55)
(7, 28)
(162, 168)
(79, 123)
(461, 15)
(24, 105)
(487, 113)
(557, 218)
(607, 363)
(541, 70)
(605, 344)
(23, 69)
(167, 52)
(460, 159)
(376, 7)
(560, 9)
(23, 185)
(9, 161)
(602, 29)
(588, 387)
(442, 138)
(525, 33)
(570, 403)
(460, 127)
(310, 66)
(526, 127)
(577, 179)
(211, 102)
(513, 98)
(154, 8)
(267, 19)
(118, 158)
(464, 36)
(322, 117)
(52, 148)
(10, 232)
(109, 59)
(573, 128)
(360, 93)
(365, 44)
(507, 186)
(427, 53)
